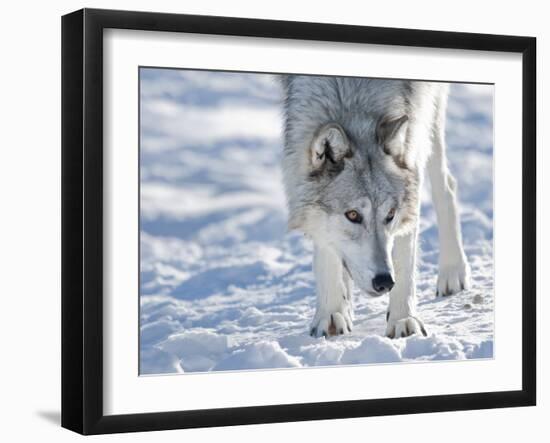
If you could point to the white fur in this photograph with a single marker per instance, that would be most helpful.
(334, 305)
(363, 145)
(454, 271)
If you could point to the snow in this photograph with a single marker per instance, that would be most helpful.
(224, 286)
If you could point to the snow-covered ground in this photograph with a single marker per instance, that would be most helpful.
(225, 287)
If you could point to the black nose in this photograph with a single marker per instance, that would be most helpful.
(383, 283)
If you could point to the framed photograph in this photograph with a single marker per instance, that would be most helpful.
(269, 221)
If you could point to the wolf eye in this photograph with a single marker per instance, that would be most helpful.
(354, 216)
(390, 215)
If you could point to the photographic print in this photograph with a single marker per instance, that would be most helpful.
(298, 221)
(242, 218)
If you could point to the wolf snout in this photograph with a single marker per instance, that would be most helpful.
(382, 283)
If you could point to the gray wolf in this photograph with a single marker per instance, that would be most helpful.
(355, 154)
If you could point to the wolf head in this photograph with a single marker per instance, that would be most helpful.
(350, 180)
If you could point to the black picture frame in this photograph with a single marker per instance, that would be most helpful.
(82, 219)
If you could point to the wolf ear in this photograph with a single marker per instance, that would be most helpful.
(391, 133)
(330, 144)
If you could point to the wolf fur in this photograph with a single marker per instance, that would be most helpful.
(355, 154)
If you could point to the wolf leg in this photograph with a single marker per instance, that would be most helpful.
(402, 320)
(454, 271)
(334, 308)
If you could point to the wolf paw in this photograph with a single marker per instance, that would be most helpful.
(405, 327)
(326, 325)
(453, 278)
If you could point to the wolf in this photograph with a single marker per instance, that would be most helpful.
(355, 154)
